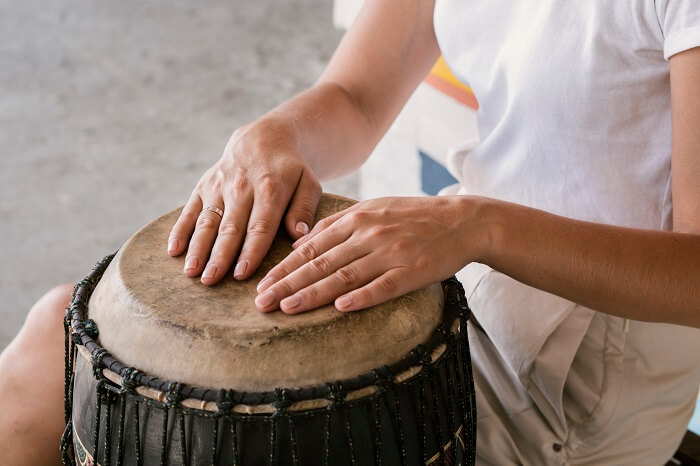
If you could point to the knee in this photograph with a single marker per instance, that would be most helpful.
(46, 316)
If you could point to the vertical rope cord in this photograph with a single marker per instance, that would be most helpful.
(183, 445)
(224, 404)
(348, 436)
(164, 436)
(402, 437)
(377, 415)
(293, 441)
(67, 368)
(327, 439)
(436, 419)
(67, 450)
(98, 417)
(120, 430)
(421, 420)
(108, 428)
(234, 440)
(215, 438)
(450, 390)
(137, 436)
(469, 386)
(273, 441)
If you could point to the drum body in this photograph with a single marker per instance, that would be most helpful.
(417, 408)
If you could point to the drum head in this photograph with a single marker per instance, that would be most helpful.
(153, 317)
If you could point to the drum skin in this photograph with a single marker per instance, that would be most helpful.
(412, 404)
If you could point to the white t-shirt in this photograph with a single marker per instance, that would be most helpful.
(574, 118)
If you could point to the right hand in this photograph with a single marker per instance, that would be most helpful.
(259, 176)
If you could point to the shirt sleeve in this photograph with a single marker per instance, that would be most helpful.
(680, 25)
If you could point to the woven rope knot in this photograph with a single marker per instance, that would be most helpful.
(442, 328)
(282, 401)
(91, 329)
(382, 379)
(97, 356)
(130, 380)
(224, 402)
(423, 355)
(336, 395)
(174, 394)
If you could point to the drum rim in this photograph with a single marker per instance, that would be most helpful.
(83, 332)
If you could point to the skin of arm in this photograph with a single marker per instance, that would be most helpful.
(633, 273)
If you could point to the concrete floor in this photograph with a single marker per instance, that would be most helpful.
(111, 111)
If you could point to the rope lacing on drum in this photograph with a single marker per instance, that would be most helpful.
(381, 379)
(336, 395)
(282, 402)
(91, 329)
(97, 356)
(130, 380)
(224, 402)
(174, 394)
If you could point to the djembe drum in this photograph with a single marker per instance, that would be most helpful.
(161, 369)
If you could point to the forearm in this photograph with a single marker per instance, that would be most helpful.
(638, 274)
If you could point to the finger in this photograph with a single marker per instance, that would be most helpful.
(389, 285)
(308, 252)
(316, 270)
(269, 203)
(347, 278)
(203, 239)
(302, 208)
(229, 237)
(184, 226)
(320, 226)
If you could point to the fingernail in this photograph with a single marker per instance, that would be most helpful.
(240, 269)
(265, 284)
(265, 299)
(209, 272)
(343, 302)
(191, 263)
(302, 228)
(290, 303)
(173, 244)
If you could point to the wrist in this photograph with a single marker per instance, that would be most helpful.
(484, 224)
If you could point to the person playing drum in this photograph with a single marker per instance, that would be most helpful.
(580, 270)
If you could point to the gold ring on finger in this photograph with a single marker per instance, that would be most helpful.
(211, 208)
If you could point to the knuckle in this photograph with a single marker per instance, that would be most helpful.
(423, 262)
(240, 185)
(307, 251)
(260, 227)
(388, 285)
(229, 229)
(321, 265)
(347, 275)
(270, 186)
(310, 294)
(284, 288)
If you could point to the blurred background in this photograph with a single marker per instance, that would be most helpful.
(111, 111)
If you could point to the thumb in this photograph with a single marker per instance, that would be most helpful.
(302, 207)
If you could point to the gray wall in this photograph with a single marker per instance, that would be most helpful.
(111, 111)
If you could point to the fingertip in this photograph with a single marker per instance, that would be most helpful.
(239, 272)
(344, 303)
(174, 247)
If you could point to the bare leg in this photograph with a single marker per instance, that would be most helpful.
(31, 385)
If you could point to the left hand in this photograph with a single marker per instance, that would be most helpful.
(374, 251)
